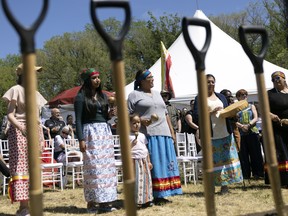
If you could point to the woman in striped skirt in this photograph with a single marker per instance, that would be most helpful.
(142, 164)
(95, 140)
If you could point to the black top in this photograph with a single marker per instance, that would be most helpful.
(53, 122)
(185, 126)
(84, 116)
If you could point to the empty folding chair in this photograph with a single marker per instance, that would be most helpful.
(186, 162)
(73, 160)
(117, 155)
(192, 151)
(51, 171)
(4, 151)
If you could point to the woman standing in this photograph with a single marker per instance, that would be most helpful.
(227, 169)
(95, 140)
(250, 151)
(278, 100)
(18, 146)
(146, 102)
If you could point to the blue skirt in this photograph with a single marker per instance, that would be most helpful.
(165, 173)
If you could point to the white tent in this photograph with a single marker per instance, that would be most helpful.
(225, 59)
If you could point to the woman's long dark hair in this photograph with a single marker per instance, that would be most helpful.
(90, 102)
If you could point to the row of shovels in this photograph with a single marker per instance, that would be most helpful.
(115, 46)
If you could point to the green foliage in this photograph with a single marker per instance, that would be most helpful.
(277, 27)
(8, 78)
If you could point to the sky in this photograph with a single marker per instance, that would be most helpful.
(72, 16)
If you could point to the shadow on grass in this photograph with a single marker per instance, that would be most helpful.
(2, 214)
(196, 194)
(266, 213)
(250, 186)
(119, 204)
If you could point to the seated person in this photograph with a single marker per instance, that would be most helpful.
(54, 123)
(59, 148)
(59, 145)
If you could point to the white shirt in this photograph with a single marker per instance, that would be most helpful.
(139, 150)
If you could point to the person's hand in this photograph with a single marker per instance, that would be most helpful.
(112, 112)
(82, 146)
(146, 122)
(216, 110)
(174, 138)
(150, 165)
(55, 129)
(245, 128)
(23, 130)
(275, 118)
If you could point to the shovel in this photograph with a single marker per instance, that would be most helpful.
(268, 137)
(118, 74)
(205, 133)
(30, 85)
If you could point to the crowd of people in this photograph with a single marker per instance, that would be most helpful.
(154, 121)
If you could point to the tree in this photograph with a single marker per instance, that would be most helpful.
(277, 27)
(8, 78)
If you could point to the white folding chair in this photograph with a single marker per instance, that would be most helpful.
(51, 172)
(192, 151)
(73, 160)
(4, 151)
(117, 155)
(186, 162)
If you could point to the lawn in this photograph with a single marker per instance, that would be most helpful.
(256, 199)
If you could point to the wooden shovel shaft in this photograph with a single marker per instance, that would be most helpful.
(32, 127)
(205, 136)
(124, 130)
(269, 145)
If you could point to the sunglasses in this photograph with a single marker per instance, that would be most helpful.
(276, 78)
(65, 133)
(243, 95)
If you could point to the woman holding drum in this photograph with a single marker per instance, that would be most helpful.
(227, 169)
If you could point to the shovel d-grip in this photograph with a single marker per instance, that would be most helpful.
(198, 55)
(114, 44)
(26, 34)
(257, 60)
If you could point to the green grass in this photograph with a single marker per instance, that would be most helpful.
(256, 200)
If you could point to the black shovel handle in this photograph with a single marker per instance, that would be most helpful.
(27, 43)
(198, 55)
(257, 60)
(114, 44)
